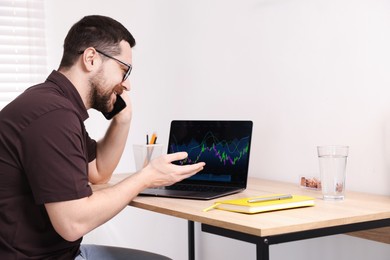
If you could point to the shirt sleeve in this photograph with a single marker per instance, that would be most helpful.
(91, 147)
(55, 157)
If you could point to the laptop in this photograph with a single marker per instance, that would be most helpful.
(225, 148)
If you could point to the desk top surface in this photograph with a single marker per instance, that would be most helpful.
(356, 207)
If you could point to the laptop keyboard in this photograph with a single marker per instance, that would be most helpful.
(198, 188)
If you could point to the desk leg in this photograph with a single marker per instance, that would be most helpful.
(191, 240)
(262, 249)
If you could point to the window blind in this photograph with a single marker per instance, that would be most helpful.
(22, 47)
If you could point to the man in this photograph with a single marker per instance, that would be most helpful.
(47, 158)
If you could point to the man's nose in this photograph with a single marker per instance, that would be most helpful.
(126, 85)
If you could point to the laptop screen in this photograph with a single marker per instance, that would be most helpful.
(223, 145)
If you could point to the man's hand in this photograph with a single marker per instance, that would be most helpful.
(126, 114)
(162, 172)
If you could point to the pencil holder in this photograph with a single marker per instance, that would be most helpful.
(144, 153)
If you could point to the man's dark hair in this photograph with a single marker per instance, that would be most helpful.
(100, 32)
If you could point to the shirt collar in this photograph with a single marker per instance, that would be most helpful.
(69, 91)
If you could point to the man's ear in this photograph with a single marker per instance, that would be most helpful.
(90, 59)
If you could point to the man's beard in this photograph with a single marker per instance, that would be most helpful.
(100, 100)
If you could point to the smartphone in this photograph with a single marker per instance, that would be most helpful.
(119, 105)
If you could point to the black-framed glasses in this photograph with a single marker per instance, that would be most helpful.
(129, 66)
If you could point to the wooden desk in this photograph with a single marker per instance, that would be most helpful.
(359, 211)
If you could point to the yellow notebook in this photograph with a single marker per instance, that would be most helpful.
(243, 205)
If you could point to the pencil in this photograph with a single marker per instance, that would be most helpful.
(279, 197)
(153, 139)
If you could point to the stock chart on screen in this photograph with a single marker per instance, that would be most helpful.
(223, 146)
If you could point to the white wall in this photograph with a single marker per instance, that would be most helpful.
(307, 72)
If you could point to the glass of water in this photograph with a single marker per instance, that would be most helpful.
(333, 164)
